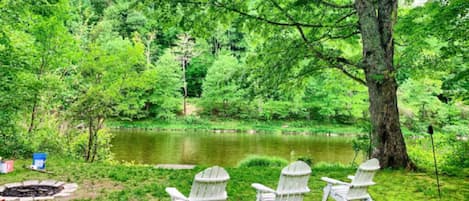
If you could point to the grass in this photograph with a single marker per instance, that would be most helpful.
(112, 181)
(262, 161)
(230, 125)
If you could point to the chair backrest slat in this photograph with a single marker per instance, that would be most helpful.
(293, 179)
(210, 184)
(363, 178)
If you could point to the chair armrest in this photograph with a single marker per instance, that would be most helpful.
(351, 177)
(333, 181)
(302, 191)
(363, 184)
(174, 193)
(262, 188)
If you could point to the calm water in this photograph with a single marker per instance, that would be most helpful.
(227, 149)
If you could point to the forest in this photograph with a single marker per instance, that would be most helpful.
(71, 68)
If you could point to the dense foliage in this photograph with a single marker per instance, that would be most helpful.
(67, 66)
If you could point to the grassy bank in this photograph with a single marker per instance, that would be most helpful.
(229, 125)
(107, 181)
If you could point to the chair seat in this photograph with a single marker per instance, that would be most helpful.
(292, 185)
(355, 190)
(340, 191)
(208, 185)
(268, 197)
(224, 197)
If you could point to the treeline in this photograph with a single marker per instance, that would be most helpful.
(67, 66)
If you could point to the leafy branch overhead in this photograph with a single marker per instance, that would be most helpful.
(69, 66)
(340, 25)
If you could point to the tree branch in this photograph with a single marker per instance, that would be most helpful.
(263, 19)
(308, 43)
(320, 55)
(282, 10)
(337, 62)
(293, 23)
(346, 16)
(341, 36)
(359, 80)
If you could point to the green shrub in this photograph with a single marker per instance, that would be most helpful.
(452, 154)
(14, 146)
(456, 161)
(262, 161)
(79, 145)
(308, 160)
(361, 144)
(191, 119)
(18, 143)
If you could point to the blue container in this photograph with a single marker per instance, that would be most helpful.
(39, 160)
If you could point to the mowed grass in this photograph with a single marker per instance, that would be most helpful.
(114, 181)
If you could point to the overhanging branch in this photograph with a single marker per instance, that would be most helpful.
(308, 43)
(320, 55)
(343, 70)
(329, 36)
(266, 20)
(336, 62)
(346, 16)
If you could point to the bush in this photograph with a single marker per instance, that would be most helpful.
(452, 154)
(262, 161)
(308, 160)
(361, 143)
(456, 161)
(80, 142)
(18, 143)
(14, 146)
(193, 120)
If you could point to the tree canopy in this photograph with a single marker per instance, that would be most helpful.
(66, 65)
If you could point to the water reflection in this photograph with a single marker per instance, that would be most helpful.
(226, 149)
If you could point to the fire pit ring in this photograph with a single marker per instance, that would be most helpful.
(36, 190)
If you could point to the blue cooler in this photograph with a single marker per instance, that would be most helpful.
(39, 160)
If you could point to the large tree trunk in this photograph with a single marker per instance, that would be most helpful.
(389, 143)
(376, 25)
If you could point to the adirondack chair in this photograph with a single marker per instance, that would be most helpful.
(357, 189)
(208, 185)
(292, 186)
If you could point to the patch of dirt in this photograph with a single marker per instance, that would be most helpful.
(191, 109)
(90, 189)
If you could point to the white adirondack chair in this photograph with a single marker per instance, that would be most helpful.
(292, 186)
(357, 189)
(209, 185)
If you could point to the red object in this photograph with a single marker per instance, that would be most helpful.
(6, 166)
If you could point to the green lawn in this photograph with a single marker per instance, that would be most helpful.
(111, 181)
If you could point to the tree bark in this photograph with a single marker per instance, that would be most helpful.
(376, 25)
(184, 63)
(36, 96)
(33, 115)
(151, 37)
(90, 140)
(99, 126)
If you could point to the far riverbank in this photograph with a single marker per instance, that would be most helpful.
(238, 126)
